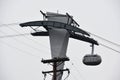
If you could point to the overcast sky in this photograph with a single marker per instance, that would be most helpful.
(20, 57)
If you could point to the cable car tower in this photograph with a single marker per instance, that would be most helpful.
(59, 28)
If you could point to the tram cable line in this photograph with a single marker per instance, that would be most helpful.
(15, 35)
(28, 45)
(21, 50)
(9, 24)
(3, 25)
(26, 34)
(104, 39)
(109, 47)
(118, 45)
(26, 37)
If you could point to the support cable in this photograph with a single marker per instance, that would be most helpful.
(118, 45)
(109, 47)
(15, 35)
(10, 24)
(29, 38)
(24, 43)
(24, 35)
(8, 36)
(87, 31)
(21, 50)
(1, 25)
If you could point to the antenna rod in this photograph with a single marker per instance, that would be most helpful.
(43, 13)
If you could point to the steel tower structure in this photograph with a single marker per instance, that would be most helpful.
(59, 28)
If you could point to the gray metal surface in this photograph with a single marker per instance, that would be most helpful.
(59, 37)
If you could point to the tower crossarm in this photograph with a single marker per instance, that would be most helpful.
(54, 24)
(55, 60)
(44, 72)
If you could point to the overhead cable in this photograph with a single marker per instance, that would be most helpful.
(28, 38)
(104, 39)
(21, 50)
(16, 35)
(29, 45)
(10, 24)
(87, 31)
(1, 25)
(7, 36)
(109, 47)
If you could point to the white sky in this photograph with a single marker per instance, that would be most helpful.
(101, 17)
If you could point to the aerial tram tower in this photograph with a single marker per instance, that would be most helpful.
(59, 28)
